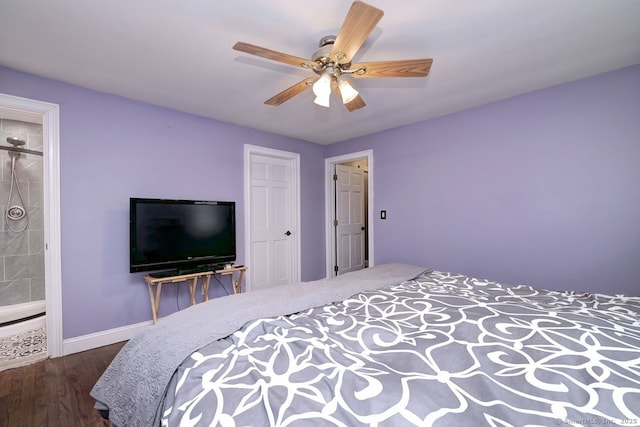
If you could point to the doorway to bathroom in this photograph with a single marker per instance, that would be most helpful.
(30, 279)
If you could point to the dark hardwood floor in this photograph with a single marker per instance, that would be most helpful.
(54, 393)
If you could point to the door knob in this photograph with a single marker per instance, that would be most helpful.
(288, 233)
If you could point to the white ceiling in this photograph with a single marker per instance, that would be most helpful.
(178, 54)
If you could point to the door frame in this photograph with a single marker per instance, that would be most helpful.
(31, 110)
(294, 160)
(329, 198)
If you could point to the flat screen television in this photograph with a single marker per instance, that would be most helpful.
(181, 235)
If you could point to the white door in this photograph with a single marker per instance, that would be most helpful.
(349, 220)
(273, 231)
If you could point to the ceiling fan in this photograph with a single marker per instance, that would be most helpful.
(332, 61)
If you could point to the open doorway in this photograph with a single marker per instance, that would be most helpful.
(17, 109)
(349, 221)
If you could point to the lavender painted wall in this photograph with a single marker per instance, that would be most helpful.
(112, 148)
(538, 189)
(542, 189)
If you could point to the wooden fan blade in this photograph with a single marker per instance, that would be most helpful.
(406, 68)
(358, 24)
(273, 55)
(290, 92)
(356, 104)
(352, 105)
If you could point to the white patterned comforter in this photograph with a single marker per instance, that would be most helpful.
(442, 350)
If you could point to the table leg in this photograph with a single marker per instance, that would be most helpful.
(237, 284)
(192, 290)
(205, 286)
(155, 301)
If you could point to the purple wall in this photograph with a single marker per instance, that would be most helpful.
(112, 148)
(542, 189)
(538, 189)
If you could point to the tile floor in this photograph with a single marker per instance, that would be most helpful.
(23, 348)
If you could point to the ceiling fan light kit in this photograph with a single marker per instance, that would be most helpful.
(322, 90)
(347, 92)
(332, 61)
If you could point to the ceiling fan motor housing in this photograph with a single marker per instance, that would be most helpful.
(322, 57)
(327, 40)
(325, 46)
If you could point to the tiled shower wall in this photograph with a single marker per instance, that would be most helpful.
(22, 253)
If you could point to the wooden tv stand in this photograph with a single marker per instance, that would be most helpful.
(192, 280)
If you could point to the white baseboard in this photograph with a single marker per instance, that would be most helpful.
(99, 339)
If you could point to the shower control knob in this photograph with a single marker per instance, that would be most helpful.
(16, 212)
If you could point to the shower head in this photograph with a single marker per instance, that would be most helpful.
(15, 141)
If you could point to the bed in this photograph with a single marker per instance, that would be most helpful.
(392, 345)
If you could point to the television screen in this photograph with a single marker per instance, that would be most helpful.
(181, 234)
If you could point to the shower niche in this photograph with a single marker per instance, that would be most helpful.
(22, 223)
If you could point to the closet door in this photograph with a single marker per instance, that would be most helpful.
(273, 231)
